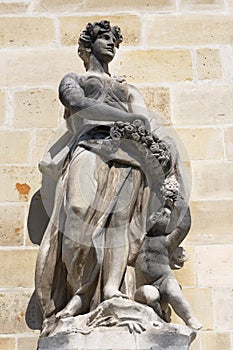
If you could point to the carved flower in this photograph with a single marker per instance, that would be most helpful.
(135, 136)
(115, 134)
(137, 122)
(154, 147)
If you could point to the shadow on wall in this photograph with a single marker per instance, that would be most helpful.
(37, 223)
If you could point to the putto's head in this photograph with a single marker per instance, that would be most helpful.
(101, 40)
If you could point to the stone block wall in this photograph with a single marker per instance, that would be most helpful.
(180, 55)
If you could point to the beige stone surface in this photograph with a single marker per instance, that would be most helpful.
(156, 65)
(13, 7)
(7, 344)
(216, 341)
(18, 183)
(190, 29)
(104, 5)
(209, 64)
(41, 142)
(71, 27)
(202, 310)
(217, 269)
(38, 66)
(11, 225)
(202, 143)
(195, 106)
(230, 4)
(18, 268)
(2, 107)
(27, 343)
(223, 307)
(26, 31)
(15, 146)
(157, 99)
(228, 139)
(186, 275)
(13, 306)
(211, 222)
(209, 5)
(36, 108)
(212, 180)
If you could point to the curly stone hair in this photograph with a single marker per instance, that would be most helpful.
(89, 35)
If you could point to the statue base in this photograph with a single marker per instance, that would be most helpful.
(119, 339)
(117, 324)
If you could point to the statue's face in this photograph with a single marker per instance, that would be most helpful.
(104, 47)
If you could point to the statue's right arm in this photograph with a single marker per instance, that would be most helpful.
(73, 98)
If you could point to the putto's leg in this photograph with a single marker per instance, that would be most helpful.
(170, 289)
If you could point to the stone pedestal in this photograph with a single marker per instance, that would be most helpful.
(117, 324)
(113, 338)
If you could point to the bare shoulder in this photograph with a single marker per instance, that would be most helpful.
(72, 78)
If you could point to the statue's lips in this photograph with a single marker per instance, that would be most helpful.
(109, 49)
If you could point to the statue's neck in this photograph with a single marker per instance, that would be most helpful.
(97, 66)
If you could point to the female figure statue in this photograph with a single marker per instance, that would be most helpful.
(112, 180)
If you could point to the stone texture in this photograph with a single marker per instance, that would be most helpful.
(13, 7)
(11, 225)
(71, 27)
(18, 268)
(211, 222)
(26, 31)
(217, 269)
(212, 180)
(188, 30)
(27, 343)
(228, 139)
(2, 107)
(15, 146)
(201, 5)
(216, 341)
(109, 339)
(223, 307)
(104, 5)
(157, 99)
(18, 183)
(230, 4)
(195, 106)
(156, 65)
(7, 344)
(209, 64)
(12, 316)
(186, 275)
(41, 142)
(36, 108)
(202, 310)
(202, 143)
(38, 66)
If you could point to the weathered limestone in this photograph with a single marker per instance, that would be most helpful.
(36, 108)
(157, 66)
(25, 31)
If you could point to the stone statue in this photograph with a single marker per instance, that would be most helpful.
(119, 210)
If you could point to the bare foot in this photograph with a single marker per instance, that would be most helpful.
(73, 308)
(110, 292)
(194, 323)
(133, 326)
(48, 326)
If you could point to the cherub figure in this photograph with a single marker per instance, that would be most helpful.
(157, 285)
